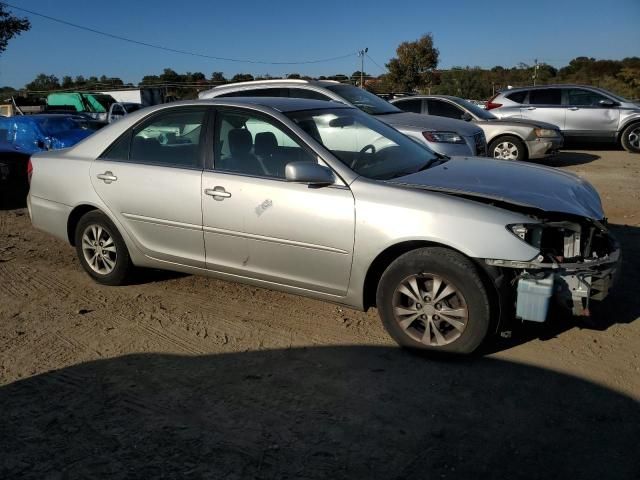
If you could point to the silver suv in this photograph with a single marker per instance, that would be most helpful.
(442, 135)
(582, 113)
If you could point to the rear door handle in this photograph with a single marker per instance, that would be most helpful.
(573, 109)
(530, 108)
(107, 177)
(218, 193)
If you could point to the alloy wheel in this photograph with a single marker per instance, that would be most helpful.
(505, 151)
(634, 138)
(430, 309)
(99, 249)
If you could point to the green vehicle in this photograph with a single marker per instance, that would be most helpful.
(96, 105)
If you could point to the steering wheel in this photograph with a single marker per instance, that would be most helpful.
(360, 156)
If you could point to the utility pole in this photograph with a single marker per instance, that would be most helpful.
(361, 54)
(535, 71)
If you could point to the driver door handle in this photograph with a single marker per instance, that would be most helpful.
(218, 193)
(530, 108)
(107, 177)
(573, 109)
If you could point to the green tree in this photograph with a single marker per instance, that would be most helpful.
(218, 77)
(413, 68)
(242, 77)
(10, 26)
(43, 82)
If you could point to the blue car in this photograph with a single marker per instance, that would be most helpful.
(34, 133)
(22, 136)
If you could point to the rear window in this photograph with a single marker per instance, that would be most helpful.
(547, 96)
(517, 97)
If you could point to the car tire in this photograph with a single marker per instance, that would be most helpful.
(508, 147)
(630, 138)
(457, 315)
(101, 249)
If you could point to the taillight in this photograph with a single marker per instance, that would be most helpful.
(491, 104)
(29, 171)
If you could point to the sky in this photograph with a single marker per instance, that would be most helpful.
(476, 33)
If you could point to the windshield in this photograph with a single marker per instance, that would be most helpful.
(368, 146)
(53, 126)
(364, 100)
(475, 110)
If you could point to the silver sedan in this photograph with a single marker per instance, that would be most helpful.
(323, 200)
(507, 139)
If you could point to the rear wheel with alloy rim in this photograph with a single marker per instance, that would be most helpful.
(631, 138)
(508, 148)
(434, 299)
(101, 249)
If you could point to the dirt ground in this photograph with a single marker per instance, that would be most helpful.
(180, 376)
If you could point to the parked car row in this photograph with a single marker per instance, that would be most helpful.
(327, 199)
(580, 112)
(508, 139)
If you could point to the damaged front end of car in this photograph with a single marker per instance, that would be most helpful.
(577, 262)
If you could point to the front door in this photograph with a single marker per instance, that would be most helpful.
(586, 117)
(258, 225)
(150, 180)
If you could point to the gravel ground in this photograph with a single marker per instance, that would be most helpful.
(179, 376)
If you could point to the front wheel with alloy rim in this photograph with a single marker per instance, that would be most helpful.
(101, 249)
(434, 299)
(631, 138)
(508, 148)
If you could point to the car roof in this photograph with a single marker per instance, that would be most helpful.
(277, 81)
(552, 85)
(281, 104)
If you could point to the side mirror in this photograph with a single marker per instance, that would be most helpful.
(310, 173)
(466, 117)
(607, 103)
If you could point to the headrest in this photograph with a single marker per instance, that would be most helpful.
(240, 141)
(266, 143)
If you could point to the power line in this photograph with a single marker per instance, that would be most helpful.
(376, 63)
(174, 50)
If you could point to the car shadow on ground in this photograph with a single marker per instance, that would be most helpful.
(566, 159)
(334, 412)
(622, 306)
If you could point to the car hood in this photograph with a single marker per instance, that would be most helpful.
(429, 122)
(517, 122)
(522, 184)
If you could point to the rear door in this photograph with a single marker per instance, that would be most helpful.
(150, 179)
(545, 105)
(586, 117)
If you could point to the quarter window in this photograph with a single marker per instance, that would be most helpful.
(249, 144)
(517, 97)
(545, 96)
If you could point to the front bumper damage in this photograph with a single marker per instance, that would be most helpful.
(572, 285)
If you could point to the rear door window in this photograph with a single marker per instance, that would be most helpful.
(306, 93)
(413, 105)
(546, 96)
(444, 109)
(258, 92)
